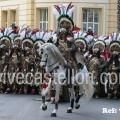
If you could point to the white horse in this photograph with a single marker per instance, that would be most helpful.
(52, 59)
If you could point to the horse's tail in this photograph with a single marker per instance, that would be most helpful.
(88, 86)
(45, 91)
(89, 89)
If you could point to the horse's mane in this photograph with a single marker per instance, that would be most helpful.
(56, 53)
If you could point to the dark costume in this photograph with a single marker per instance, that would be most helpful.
(113, 66)
(95, 61)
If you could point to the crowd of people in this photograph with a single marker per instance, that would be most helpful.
(20, 52)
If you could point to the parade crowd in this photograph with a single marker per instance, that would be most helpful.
(20, 52)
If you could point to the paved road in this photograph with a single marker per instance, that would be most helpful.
(24, 107)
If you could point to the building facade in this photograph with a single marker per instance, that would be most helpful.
(101, 15)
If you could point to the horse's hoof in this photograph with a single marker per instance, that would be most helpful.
(78, 106)
(44, 108)
(69, 111)
(53, 115)
(96, 96)
(5, 92)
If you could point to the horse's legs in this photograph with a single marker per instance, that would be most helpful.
(78, 97)
(71, 90)
(54, 113)
(44, 106)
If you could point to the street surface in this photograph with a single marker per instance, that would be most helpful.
(25, 107)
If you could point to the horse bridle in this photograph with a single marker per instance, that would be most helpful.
(45, 61)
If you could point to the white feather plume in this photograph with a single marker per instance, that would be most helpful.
(63, 10)
(118, 38)
(70, 12)
(56, 13)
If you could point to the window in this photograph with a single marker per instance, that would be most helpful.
(4, 19)
(91, 19)
(12, 17)
(44, 19)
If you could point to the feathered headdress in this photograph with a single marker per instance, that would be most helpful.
(5, 35)
(27, 42)
(80, 40)
(115, 36)
(106, 39)
(114, 46)
(53, 35)
(17, 37)
(64, 12)
(24, 31)
(41, 37)
(100, 44)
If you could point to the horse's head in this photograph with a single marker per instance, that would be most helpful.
(44, 55)
(51, 57)
(48, 54)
